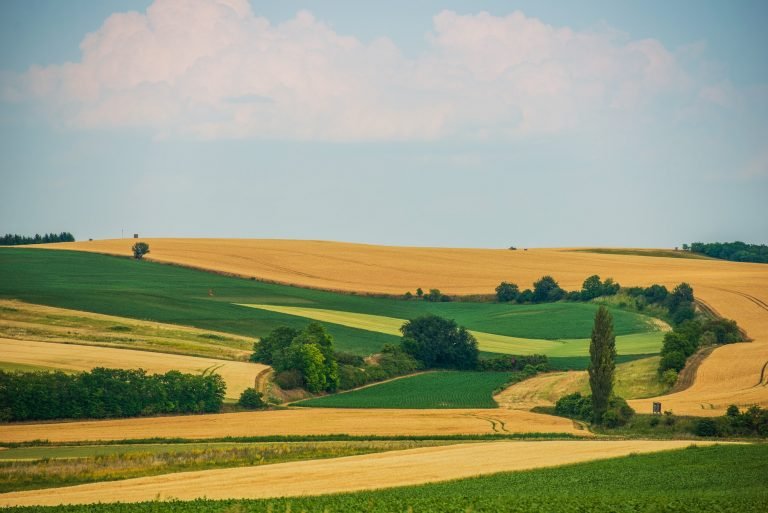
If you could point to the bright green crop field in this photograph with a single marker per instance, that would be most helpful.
(445, 389)
(723, 479)
(172, 294)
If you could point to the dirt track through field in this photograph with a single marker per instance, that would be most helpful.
(735, 290)
(297, 421)
(370, 471)
(237, 375)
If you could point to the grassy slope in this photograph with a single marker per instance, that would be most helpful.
(690, 480)
(24, 321)
(430, 390)
(146, 290)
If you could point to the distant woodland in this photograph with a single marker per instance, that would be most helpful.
(735, 251)
(14, 239)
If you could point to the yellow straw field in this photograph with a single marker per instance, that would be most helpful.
(297, 421)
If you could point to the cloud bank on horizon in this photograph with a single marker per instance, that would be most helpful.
(197, 69)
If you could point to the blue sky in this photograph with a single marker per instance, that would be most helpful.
(449, 123)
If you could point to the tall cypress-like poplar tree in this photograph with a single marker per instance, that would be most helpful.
(602, 353)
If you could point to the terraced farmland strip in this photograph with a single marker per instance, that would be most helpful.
(296, 421)
(237, 375)
(24, 321)
(381, 470)
(638, 343)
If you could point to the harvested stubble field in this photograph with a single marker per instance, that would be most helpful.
(297, 421)
(371, 471)
(73, 357)
(731, 374)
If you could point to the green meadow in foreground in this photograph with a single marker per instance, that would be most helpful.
(723, 479)
(446, 389)
(165, 293)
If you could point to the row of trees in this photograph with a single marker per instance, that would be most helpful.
(679, 303)
(737, 251)
(14, 239)
(547, 290)
(434, 295)
(103, 393)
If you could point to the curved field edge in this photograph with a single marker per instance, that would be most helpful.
(72, 357)
(687, 480)
(647, 342)
(298, 422)
(29, 468)
(26, 321)
(445, 389)
(387, 469)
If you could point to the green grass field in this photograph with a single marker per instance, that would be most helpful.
(171, 294)
(722, 479)
(445, 389)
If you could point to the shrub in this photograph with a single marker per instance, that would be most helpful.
(725, 331)
(434, 296)
(289, 379)
(250, 399)
(706, 427)
(525, 296)
(672, 361)
(348, 359)
(669, 377)
(351, 377)
(510, 363)
(547, 290)
(506, 292)
(577, 406)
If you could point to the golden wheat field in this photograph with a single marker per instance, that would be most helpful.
(739, 291)
(297, 421)
(237, 375)
(365, 472)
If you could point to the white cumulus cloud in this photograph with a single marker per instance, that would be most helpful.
(215, 69)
